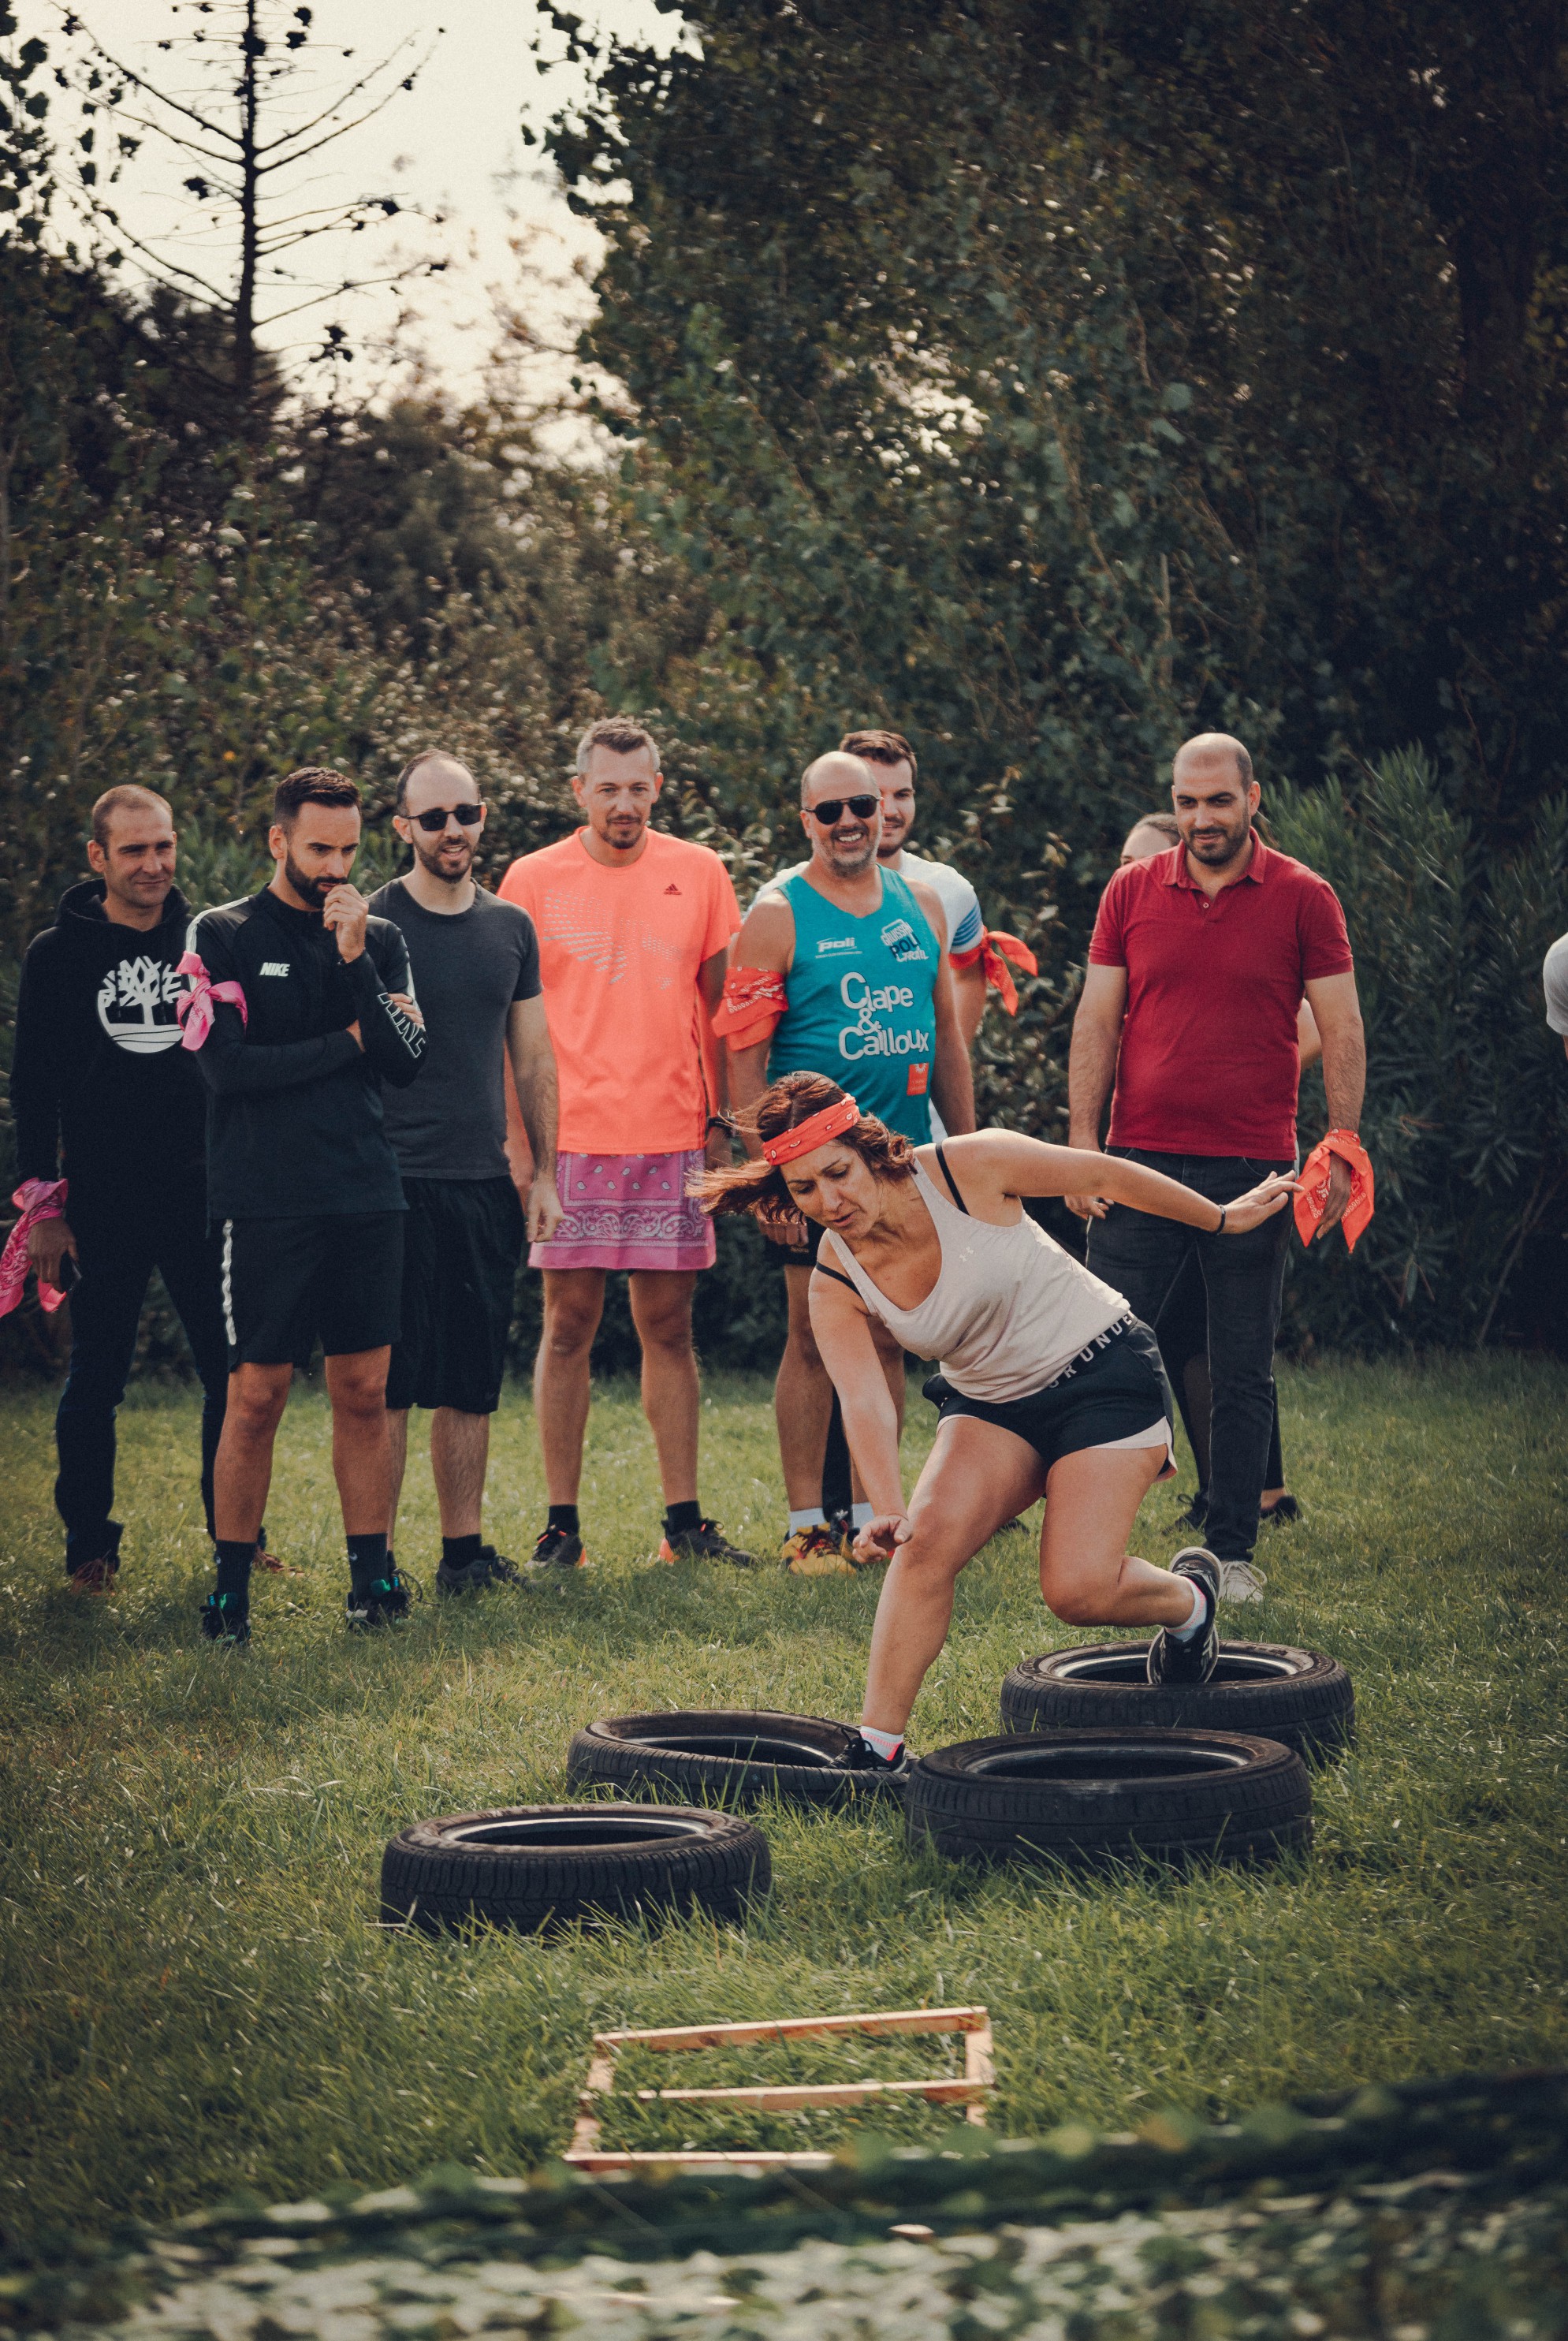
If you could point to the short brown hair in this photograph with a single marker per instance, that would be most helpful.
(127, 798)
(880, 748)
(759, 1186)
(312, 784)
(622, 736)
(1165, 822)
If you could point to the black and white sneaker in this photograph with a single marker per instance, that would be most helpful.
(1194, 1660)
(860, 1757)
(556, 1551)
(488, 1568)
(383, 1602)
(225, 1618)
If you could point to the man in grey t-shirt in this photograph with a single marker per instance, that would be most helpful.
(475, 971)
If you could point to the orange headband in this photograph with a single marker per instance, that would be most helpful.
(815, 1131)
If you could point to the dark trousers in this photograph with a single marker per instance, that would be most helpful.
(1142, 1257)
(118, 1249)
(1183, 1334)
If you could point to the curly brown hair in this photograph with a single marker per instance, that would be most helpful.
(759, 1186)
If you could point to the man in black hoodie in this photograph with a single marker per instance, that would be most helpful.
(303, 1007)
(99, 1077)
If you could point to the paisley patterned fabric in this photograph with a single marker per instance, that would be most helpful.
(628, 1211)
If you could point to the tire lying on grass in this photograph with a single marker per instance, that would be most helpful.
(723, 1756)
(1300, 1698)
(535, 1866)
(1084, 1798)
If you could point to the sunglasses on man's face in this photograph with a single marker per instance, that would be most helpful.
(438, 817)
(828, 811)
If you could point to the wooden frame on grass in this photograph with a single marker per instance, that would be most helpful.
(585, 2153)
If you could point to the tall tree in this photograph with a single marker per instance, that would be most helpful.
(262, 104)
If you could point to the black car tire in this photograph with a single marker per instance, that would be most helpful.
(1086, 1798)
(1300, 1698)
(723, 1756)
(535, 1866)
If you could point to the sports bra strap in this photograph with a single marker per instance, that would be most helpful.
(823, 1270)
(952, 1182)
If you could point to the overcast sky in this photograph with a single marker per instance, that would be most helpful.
(453, 147)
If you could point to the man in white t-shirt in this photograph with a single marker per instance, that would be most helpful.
(1554, 977)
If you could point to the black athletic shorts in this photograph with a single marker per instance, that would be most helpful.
(464, 1242)
(1111, 1390)
(338, 1275)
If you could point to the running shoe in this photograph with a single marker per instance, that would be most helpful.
(225, 1620)
(1196, 1510)
(1279, 1515)
(556, 1551)
(1194, 1660)
(383, 1602)
(1240, 1582)
(704, 1542)
(816, 1552)
(488, 1568)
(860, 1757)
(97, 1576)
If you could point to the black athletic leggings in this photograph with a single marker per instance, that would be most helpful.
(1183, 1332)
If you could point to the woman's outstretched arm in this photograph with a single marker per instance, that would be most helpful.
(843, 1337)
(996, 1163)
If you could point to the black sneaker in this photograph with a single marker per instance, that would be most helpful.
(1197, 1511)
(704, 1542)
(383, 1602)
(556, 1551)
(860, 1757)
(488, 1568)
(1194, 1660)
(1280, 1514)
(224, 1618)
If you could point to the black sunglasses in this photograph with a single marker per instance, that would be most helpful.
(433, 819)
(830, 808)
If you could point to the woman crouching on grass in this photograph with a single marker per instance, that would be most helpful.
(1047, 1383)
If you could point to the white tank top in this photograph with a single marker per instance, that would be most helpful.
(1010, 1309)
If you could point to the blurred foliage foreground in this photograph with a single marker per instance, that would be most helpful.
(1113, 379)
(1430, 2210)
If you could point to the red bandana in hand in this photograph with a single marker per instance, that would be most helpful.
(1311, 1201)
(994, 950)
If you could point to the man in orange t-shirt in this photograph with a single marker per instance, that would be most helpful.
(634, 930)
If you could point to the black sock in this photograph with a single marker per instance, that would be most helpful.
(368, 1560)
(233, 1569)
(679, 1520)
(562, 1516)
(456, 1553)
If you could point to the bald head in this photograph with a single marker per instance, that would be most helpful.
(432, 767)
(1213, 797)
(844, 839)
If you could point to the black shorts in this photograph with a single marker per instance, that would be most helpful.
(1109, 1392)
(336, 1275)
(463, 1242)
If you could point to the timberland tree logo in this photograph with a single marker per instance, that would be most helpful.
(136, 1004)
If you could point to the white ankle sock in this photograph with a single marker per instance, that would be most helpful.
(886, 1743)
(808, 1518)
(861, 1516)
(1199, 1612)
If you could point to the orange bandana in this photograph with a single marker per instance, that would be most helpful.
(753, 1003)
(993, 950)
(815, 1131)
(1312, 1200)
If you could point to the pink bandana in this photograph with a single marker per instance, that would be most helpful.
(35, 1199)
(195, 1010)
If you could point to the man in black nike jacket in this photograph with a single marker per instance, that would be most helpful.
(102, 1090)
(304, 1004)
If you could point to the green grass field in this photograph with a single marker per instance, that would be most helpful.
(197, 1996)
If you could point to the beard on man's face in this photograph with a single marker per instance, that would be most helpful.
(314, 890)
(445, 857)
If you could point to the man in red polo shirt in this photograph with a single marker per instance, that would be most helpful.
(1200, 961)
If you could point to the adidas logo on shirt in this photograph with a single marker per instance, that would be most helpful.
(672, 889)
(274, 967)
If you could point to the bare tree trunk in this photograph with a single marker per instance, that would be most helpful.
(249, 225)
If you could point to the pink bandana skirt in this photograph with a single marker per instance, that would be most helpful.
(628, 1211)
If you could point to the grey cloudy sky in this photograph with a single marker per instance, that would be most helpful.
(454, 145)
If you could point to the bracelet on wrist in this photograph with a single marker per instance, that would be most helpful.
(1224, 1215)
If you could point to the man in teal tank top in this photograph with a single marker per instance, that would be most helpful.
(863, 954)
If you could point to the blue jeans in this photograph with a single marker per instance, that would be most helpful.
(1142, 1257)
(118, 1249)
